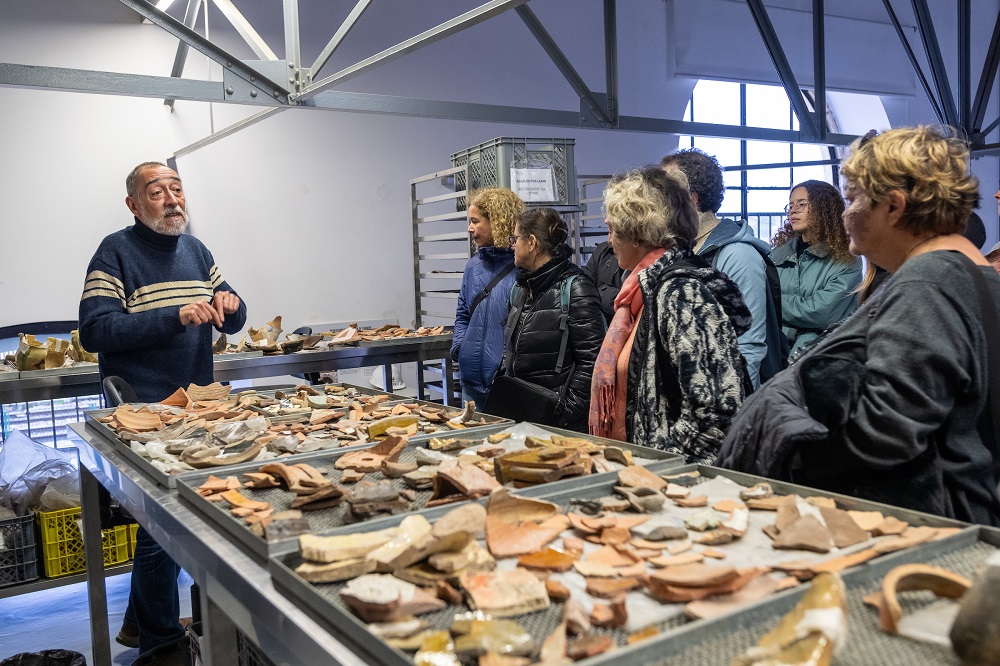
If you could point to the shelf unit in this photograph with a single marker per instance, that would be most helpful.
(589, 228)
(441, 248)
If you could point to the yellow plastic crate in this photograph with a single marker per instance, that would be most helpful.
(132, 529)
(62, 544)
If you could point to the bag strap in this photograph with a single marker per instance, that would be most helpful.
(563, 321)
(493, 283)
(518, 296)
(991, 325)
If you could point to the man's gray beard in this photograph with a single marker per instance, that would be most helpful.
(161, 226)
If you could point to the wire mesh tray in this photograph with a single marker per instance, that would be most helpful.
(170, 480)
(323, 599)
(336, 520)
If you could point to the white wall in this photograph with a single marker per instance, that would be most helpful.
(308, 213)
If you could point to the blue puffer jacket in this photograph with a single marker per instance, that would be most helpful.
(477, 342)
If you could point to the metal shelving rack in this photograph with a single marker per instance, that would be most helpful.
(589, 228)
(441, 248)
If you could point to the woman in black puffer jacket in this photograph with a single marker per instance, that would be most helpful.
(535, 325)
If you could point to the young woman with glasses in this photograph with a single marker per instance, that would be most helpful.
(818, 274)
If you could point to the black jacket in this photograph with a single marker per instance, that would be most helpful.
(604, 271)
(536, 337)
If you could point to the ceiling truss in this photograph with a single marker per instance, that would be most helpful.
(278, 84)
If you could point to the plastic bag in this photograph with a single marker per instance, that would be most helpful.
(46, 658)
(27, 467)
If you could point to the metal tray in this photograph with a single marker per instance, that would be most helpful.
(677, 633)
(170, 480)
(334, 520)
(444, 337)
(232, 356)
(8, 372)
(81, 368)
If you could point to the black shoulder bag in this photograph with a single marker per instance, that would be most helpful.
(497, 279)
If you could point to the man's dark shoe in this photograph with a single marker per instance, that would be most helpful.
(128, 636)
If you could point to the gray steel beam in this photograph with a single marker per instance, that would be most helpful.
(807, 120)
(229, 131)
(782, 165)
(190, 16)
(913, 61)
(230, 63)
(925, 26)
(611, 56)
(113, 83)
(338, 37)
(986, 79)
(992, 126)
(245, 30)
(293, 53)
(564, 66)
(819, 66)
(965, 65)
(437, 33)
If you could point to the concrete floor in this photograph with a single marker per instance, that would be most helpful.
(59, 619)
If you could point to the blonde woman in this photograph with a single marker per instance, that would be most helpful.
(477, 341)
(669, 374)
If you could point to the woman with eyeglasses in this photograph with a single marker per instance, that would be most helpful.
(553, 331)
(818, 274)
(899, 404)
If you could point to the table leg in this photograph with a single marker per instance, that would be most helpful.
(447, 381)
(94, 552)
(219, 647)
(387, 377)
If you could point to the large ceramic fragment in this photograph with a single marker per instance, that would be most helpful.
(383, 598)
(843, 529)
(518, 525)
(336, 548)
(408, 422)
(458, 479)
(366, 499)
(553, 652)
(325, 497)
(911, 577)
(413, 534)
(589, 645)
(496, 636)
(532, 465)
(712, 607)
(214, 391)
(77, 352)
(370, 460)
(505, 593)
(810, 633)
(642, 499)
(635, 476)
(334, 571)
(549, 559)
(806, 533)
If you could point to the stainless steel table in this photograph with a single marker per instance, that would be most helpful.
(405, 350)
(236, 591)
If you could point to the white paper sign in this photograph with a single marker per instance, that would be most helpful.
(533, 185)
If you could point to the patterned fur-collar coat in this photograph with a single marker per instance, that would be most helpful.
(685, 371)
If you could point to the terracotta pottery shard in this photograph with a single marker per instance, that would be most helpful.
(351, 476)
(771, 531)
(717, 537)
(573, 543)
(556, 590)
(237, 499)
(383, 598)
(614, 614)
(754, 591)
(676, 492)
(324, 498)
(677, 560)
(334, 571)
(452, 562)
(589, 645)
(728, 505)
(413, 535)
(610, 556)
(367, 498)
(788, 513)
(806, 533)
(704, 521)
(336, 548)
(679, 547)
(843, 529)
(714, 554)
(643, 634)
(178, 398)
(517, 525)
(890, 526)
(550, 559)
(764, 503)
(822, 502)
(614, 535)
(666, 533)
(577, 619)
(911, 577)
(370, 460)
(260, 480)
(284, 528)
(139, 420)
(554, 647)
(867, 520)
(913, 536)
(589, 569)
(214, 391)
(681, 594)
(448, 594)
(498, 437)
(395, 470)
(505, 593)
(695, 575)
(837, 564)
(465, 478)
(609, 588)
(533, 476)
(639, 477)
(692, 502)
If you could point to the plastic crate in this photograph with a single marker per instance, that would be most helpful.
(248, 654)
(132, 529)
(62, 544)
(490, 164)
(18, 551)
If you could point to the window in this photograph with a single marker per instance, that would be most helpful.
(756, 195)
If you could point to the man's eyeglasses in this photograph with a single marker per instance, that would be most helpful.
(796, 207)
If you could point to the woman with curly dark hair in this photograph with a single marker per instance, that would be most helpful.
(818, 273)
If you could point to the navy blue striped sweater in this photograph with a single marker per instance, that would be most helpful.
(130, 310)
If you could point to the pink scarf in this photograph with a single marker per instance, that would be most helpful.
(609, 386)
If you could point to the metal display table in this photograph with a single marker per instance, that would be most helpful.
(236, 590)
(365, 354)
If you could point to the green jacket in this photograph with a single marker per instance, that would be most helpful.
(816, 291)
